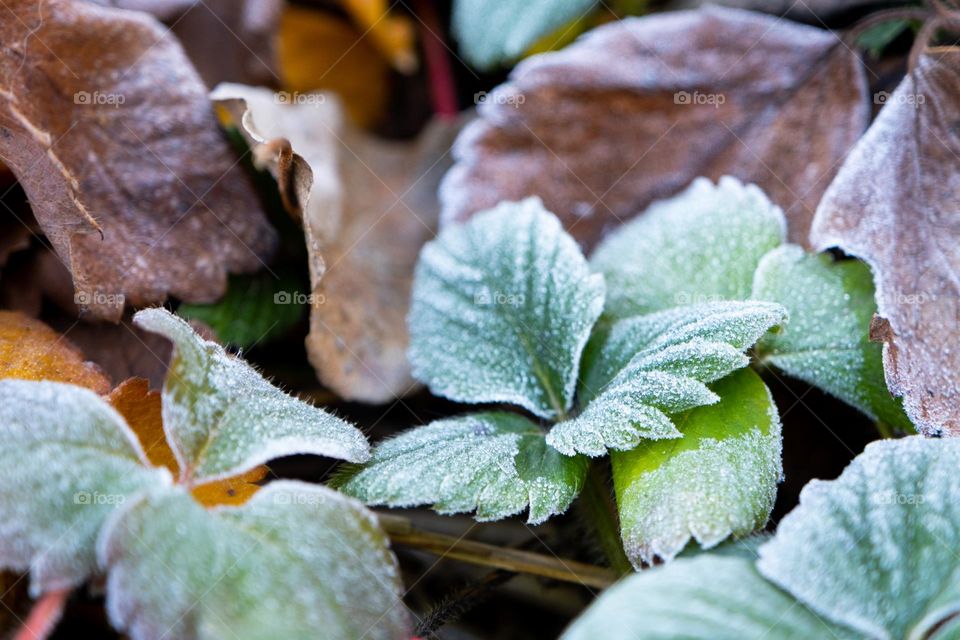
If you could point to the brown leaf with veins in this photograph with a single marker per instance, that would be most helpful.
(896, 204)
(121, 158)
(635, 110)
(367, 207)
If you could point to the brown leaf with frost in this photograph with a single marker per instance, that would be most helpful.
(367, 207)
(635, 110)
(896, 204)
(121, 158)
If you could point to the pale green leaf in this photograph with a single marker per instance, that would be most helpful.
(67, 461)
(497, 464)
(640, 370)
(502, 308)
(296, 561)
(876, 549)
(222, 417)
(700, 246)
(827, 339)
(718, 480)
(491, 32)
(703, 598)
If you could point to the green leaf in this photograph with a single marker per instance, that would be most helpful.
(67, 461)
(502, 308)
(640, 370)
(296, 561)
(877, 38)
(495, 463)
(702, 598)
(256, 309)
(222, 417)
(718, 480)
(700, 246)
(491, 32)
(827, 340)
(875, 549)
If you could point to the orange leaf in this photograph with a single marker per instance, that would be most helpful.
(393, 35)
(30, 350)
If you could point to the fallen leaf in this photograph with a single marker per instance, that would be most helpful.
(30, 350)
(120, 156)
(894, 204)
(367, 207)
(627, 115)
(392, 33)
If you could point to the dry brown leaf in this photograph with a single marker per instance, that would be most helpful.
(30, 350)
(894, 203)
(628, 114)
(120, 155)
(368, 206)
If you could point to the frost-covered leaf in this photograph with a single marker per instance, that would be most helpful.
(875, 549)
(491, 32)
(702, 598)
(497, 464)
(718, 480)
(638, 371)
(894, 204)
(296, 561)
(67, 461)
(502, 307)
(222, 417)
(702, 245)
(827, 339)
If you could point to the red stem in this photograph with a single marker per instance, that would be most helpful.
(442, 90)
(44, 616)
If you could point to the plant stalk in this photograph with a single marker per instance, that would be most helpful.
(601, 514)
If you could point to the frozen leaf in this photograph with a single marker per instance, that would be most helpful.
(495, 463)
(502, 308)
(221, 417)
(703, 598)
(827, 340)
(640, 370)
(492, 32)
(296, 561)
(894, 204)
(875, 548)
(30, 350)
(121, 158)
(718, 480)
(628, 115)
(368, 206)
(702, 245)
(67, 462)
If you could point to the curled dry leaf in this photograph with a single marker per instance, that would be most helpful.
(134, 186)
(629, 114)
(367, 207)
(894, 204)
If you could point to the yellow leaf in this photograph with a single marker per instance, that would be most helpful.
(393, 35)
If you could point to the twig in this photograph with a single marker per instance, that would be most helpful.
(402, 533)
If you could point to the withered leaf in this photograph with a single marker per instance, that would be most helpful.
(367, 207)
(894, 203)
(636, 109)
(121, 158)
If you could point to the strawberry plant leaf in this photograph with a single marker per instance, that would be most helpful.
(702, 245)
(68, 461)
(295, 559)
(222, 417)
(502, 308)
(718, 480)
(874, 549)
(703, 598)
(497, 464)
(827, 339)
(640, 370)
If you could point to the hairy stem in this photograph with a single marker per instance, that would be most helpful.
(601, 514)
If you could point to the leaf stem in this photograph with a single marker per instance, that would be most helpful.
(402, 533)
(600, 513)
